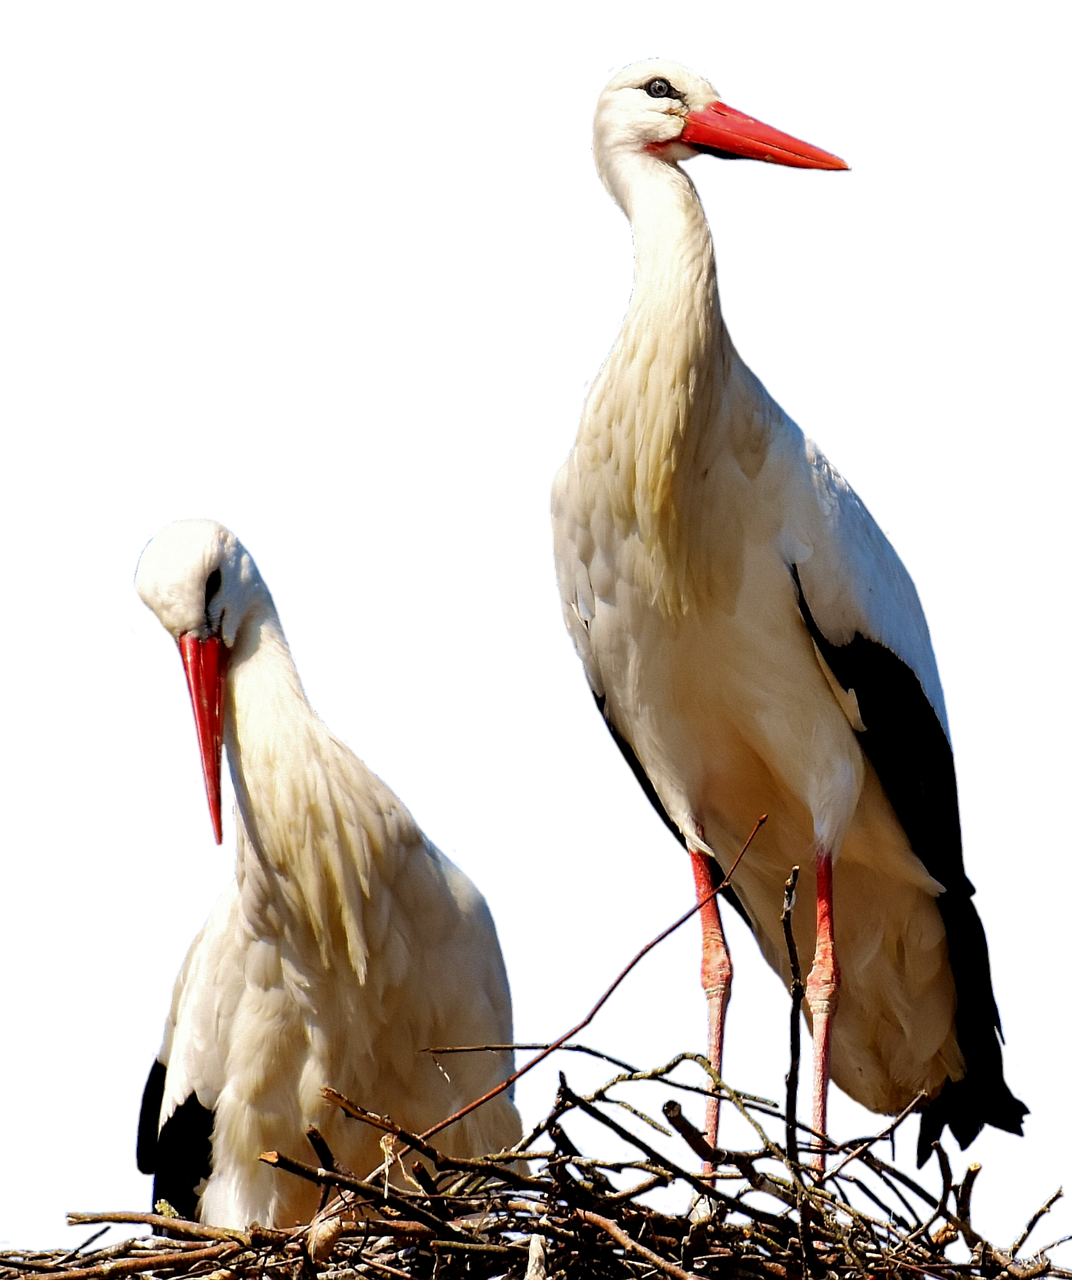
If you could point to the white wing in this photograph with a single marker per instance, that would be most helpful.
(205, 991)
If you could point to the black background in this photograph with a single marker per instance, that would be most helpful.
(347, 301)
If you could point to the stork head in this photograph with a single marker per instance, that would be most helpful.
(202, 584)
(662, 109)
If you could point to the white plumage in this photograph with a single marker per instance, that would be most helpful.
(757, 646)
(347, 944)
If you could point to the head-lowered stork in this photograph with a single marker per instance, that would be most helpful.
(756, 646)
(346, 945)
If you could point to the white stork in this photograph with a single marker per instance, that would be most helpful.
(347, 944)
(756, 646)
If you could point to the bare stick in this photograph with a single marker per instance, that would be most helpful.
(1039, 1214)
(796, 991)
(941, 1209)
(147, 1262)
(966, 1191)
(870, 1142)
(180, 1227)
(327, 1161)
(378, 1193)
(632, 1246)
(695, 1140)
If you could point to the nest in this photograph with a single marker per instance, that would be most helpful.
(763, 1212)
(547, 1210)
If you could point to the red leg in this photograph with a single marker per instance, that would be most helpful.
(822, 990)
(716, 972)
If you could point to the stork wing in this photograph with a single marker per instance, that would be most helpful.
(175, 1127)
(865, 617)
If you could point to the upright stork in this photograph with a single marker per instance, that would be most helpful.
(756, 646)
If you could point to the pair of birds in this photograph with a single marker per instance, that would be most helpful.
(755, 646)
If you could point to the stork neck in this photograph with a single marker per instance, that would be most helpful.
(659, 394)
(269, 727)
(285, 767)
(675, 260)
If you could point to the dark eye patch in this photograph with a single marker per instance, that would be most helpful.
(212, 585)
(660, 87)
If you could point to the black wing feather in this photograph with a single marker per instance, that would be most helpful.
(180, 1155)
(907, 746)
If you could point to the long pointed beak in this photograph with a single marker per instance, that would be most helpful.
(727, 132)
(205, 662)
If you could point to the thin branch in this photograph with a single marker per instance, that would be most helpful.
(180, 1227)
(148, 1262)
(796, 991)
(632, 1246)
(1036, 1218)
(940, 1210)
(377, 1192)
(868, 1143)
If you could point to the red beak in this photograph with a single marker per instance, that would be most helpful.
(727, 132)
(206, 667)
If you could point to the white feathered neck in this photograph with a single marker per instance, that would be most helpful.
(314, 824)
(673, 392)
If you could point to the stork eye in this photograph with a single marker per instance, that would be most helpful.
(659, 88)
(212, 585)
